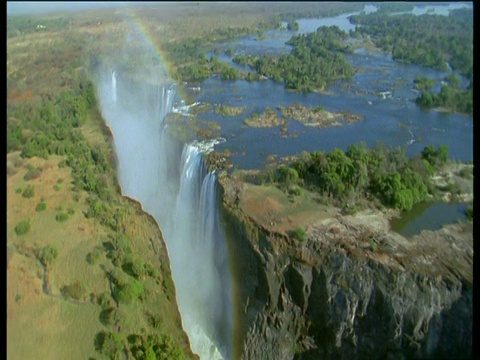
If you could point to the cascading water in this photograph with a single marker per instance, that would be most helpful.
(182, 201)
(203, 296)
(114, 88)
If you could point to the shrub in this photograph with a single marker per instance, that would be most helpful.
(469, 212)
(18, 190)
(109, 344)
(128, 292)
(105, 300)
(48, 254)
(152, 270)
(32, 174)
(92, 257)
(41, 206)
(135, 267)
(61, 217)
(56, 187)
(295, 190)
(299, 234)
(29, 192)
(74, 291)
(112, 316)
(22, 227)
(466, 173)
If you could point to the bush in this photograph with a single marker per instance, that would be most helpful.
(135, 267)
(93, 256)
(469, 212)
(29, 192)
(466, 173)
(41, 206)
(112, 316)
(48, 254)
(22, 227)
(295, 190)
(18, 190)
(299, 234)
(75, 291)
(61, 217)
(109, 344)
(32, 174)
(128, 292)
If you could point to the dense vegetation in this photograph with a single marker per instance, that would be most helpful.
(428, 40)
(423, 83)
(394, 6)
(448, 97)
(315, 59)
(379, 174)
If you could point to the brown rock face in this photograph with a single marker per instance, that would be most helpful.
(350, 290)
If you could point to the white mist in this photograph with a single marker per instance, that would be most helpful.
(184, 205)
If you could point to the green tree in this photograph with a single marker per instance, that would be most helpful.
(23, 227)
(29, 192)
(48, 254)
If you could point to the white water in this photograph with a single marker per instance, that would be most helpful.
(114, 87)
(182, 201)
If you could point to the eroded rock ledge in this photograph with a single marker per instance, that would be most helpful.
(352, 290)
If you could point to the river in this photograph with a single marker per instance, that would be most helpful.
(382, 91)
(183, 201)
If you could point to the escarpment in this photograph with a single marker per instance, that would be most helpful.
(351, 290)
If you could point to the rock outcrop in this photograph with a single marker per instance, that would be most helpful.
(350, 291)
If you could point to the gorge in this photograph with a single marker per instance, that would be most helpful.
(294, 300)
(241, 181)
(245, 290)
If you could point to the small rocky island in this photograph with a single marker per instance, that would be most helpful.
(318, 116)
(315, 117)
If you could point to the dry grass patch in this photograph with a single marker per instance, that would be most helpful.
(36, 318)
(273, 209)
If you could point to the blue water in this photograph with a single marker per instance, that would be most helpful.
(392, 117)
(396, 120)
(434, 214)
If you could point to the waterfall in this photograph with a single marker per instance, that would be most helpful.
(180, 193)
(200, 266)
(114, 87)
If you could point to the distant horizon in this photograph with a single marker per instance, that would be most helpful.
(47, 7)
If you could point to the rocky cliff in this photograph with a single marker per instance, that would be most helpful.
(351, 290)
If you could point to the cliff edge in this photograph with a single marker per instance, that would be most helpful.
(351, 288)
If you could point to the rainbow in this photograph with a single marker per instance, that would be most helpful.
(151, 43)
